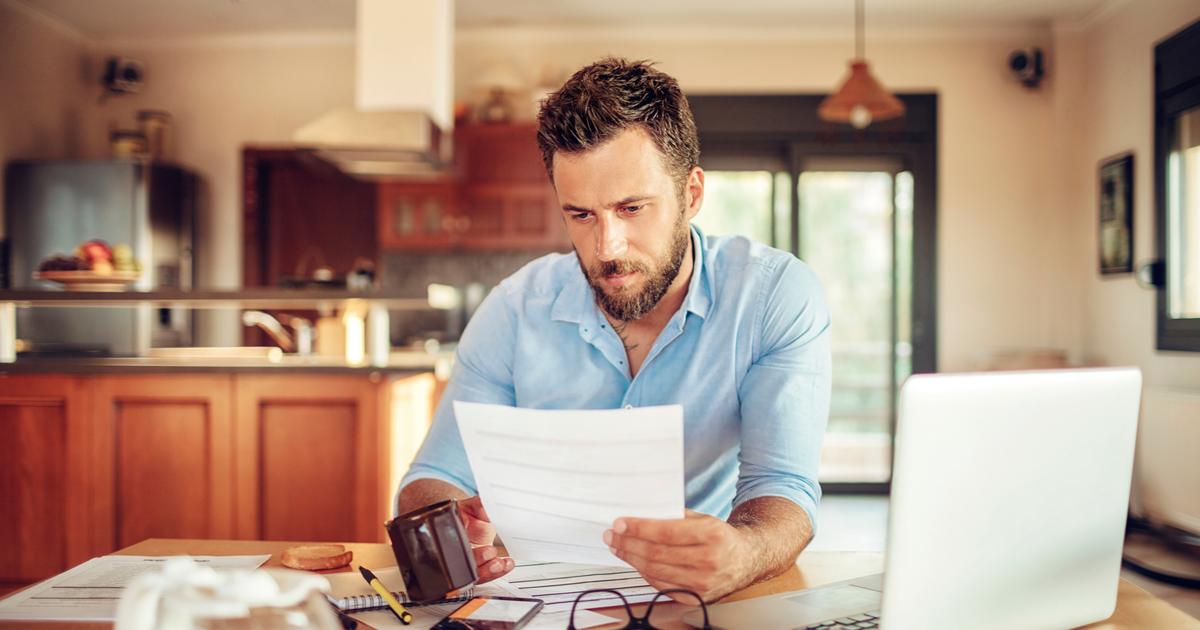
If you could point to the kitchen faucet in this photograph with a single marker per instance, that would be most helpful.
(303, 342)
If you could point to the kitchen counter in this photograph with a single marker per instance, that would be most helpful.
(399, 363)
(373, 306)
(264, 297)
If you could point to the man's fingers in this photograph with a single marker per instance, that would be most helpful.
(693, 556)
(685, 531)
(479, 532)
(659, 571)
(490, 564)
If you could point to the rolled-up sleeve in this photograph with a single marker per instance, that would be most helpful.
(785, 394)
(483, 374)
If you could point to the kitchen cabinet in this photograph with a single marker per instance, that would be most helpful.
(162, 458)
(500, 153)
(499, 198)
(308, 467)
(418, 215)
(44, 480)
(90, 463)
(513, 216)
(300, 213)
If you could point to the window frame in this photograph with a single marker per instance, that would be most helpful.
(1176, 89)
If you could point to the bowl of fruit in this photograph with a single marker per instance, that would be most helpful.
(95, 266)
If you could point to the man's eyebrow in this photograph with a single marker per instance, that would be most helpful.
(623, 202)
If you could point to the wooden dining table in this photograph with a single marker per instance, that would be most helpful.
(1136, 608)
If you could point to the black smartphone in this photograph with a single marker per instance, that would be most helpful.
(491, 613)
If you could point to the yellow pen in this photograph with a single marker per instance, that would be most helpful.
(403, 615)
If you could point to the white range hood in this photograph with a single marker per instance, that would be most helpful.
(402, 119)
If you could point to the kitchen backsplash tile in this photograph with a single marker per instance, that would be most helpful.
(409, 273)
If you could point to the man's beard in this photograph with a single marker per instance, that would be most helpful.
(628, 306)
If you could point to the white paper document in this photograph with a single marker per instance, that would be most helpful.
(558, 584)
(90, 591)
(553, 480)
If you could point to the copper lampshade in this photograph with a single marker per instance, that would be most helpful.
(860, 100)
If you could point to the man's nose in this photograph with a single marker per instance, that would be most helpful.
(610, 238)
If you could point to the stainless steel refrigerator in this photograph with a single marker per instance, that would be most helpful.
(52, 206)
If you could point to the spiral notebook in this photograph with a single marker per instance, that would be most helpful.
(350, 593)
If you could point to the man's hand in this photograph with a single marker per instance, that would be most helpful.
(709, 556)
(699, 552)
(482, 536)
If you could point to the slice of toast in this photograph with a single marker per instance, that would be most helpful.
(316, 557)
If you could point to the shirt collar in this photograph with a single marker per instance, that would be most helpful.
(576, 299)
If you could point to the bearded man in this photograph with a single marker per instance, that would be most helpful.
(651, 311)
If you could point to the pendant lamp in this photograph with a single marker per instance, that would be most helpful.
(861, 99)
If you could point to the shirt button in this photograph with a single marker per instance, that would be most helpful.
(629, 406)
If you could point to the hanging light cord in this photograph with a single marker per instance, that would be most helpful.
(858, 28)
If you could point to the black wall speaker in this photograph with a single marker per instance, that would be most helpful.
(1026, 66)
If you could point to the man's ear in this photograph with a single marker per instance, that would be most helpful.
(695, 191)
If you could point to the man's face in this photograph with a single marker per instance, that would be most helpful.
(626, 221)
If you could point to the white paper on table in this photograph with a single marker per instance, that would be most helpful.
(553, 480)
(90, 591)
(558, 584)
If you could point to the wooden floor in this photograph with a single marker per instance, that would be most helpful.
(859, 523)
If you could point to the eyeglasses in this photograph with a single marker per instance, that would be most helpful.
(644, 622)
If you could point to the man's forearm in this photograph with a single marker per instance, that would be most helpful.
(777, 530)
(424, 492)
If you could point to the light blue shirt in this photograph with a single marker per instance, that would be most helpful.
(747, 355)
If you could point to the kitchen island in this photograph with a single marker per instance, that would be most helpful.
(99, 453)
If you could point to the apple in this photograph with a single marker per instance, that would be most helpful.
(96, 250)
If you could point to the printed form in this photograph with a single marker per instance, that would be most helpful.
(90, 591)
(553, 480)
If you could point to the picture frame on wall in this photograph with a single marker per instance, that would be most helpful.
(1116, 214)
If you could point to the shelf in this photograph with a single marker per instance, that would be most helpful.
(250, 298)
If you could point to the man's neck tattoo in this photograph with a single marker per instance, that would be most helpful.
(620, 330)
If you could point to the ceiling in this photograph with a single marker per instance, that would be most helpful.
(121, 19)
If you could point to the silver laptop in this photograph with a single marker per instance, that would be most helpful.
(1009, 496)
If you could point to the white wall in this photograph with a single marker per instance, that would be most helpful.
(996, 158)
(45, 92)
(1109, 110)
(1112, 63)
(225, 93)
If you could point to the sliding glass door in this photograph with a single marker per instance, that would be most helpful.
(850, 219)
(860, 207)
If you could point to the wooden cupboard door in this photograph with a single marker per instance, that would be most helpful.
(417, 215)
(164, 458)
(308, 458)
(534, 217)
(501, 153)
(483, 211)
(513, 216)
(44, 484)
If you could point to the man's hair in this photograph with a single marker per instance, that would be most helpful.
(612, 95)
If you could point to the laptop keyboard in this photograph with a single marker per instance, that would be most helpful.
(853, 622)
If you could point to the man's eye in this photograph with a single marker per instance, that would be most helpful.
(633, 209)
(581, 216)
